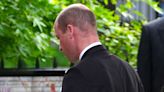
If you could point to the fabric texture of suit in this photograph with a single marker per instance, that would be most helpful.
(98, 71)
(151, 56)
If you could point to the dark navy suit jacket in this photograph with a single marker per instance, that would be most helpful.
(100, 72)
(151, 56)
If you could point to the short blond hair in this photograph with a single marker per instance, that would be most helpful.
(78, 15)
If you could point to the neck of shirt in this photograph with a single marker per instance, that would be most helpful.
(87, 48)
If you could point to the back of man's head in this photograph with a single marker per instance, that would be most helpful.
(77, 15)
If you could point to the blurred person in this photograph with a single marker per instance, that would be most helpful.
(151, 56)
(94, 70)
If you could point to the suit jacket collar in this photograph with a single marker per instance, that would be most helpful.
(87, 48)
(92, 50)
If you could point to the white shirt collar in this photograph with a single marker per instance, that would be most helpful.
(87, 48)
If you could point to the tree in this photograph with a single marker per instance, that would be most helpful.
(26, 30)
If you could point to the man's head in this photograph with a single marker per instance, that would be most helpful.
(75, 27)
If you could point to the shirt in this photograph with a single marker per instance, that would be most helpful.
(87, 48)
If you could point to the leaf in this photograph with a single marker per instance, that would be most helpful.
(37, 22)
(154, 5)
(138, 13)
(114, 2)
(106, 2)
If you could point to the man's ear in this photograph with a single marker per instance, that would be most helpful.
(70, 30)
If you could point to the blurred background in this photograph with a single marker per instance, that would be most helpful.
(27, 36)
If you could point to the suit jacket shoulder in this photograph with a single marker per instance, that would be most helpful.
(155, 23)
(100, 72)
(150, 55)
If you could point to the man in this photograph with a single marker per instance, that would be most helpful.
(151, 56)
(95, 70)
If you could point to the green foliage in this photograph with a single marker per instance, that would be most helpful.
(121, 37)
(26, 30)
(154, 5)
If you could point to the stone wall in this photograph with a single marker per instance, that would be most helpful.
(31, 84)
